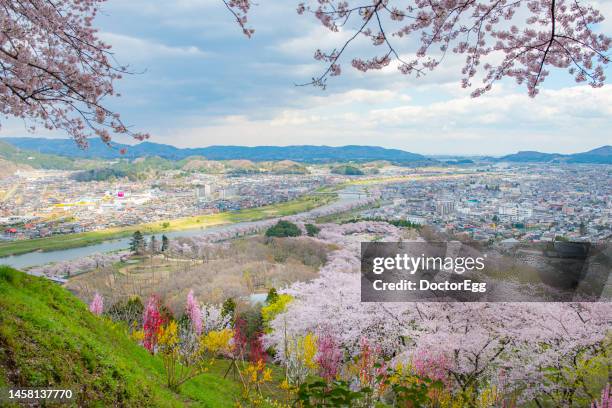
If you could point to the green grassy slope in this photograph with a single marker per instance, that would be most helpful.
(48, 338)
(35, 159)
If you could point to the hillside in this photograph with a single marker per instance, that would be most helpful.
(8, 168)
(347, 170)
(60, 153)
(34, 159)
(49, 338)
(201, 164)
(285, 167)
(601, 155)
(303, 154)
(530, 156)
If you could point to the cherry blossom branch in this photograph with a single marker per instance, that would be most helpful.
(54, 69)
(556, 33)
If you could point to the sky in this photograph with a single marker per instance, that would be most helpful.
(199, 81)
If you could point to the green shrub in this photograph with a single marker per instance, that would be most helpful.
(312, 230)
(228, 308)
(128, 311)
(272, 296)
(284, 229)
(271, 310)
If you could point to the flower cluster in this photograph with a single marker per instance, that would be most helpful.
(463, 345)
(97, 304)
(519, 40)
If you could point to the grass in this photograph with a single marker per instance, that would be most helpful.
(59, 242)
(48, 338)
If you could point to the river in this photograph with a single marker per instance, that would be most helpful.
(30, 259)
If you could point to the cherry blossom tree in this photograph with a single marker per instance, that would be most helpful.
(331, 305)
(55, 70)
(606, 399)
(520, 39)
(194, 312)
(79, 265)
(97, 304)
(559, 338)
(329, 356)
(533, 349)
(214, 319)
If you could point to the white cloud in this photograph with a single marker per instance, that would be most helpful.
(605, 7)
(557, 120)
(247, 96)
(139, 49)
(317, 37)
(368, 96)
(295, 70)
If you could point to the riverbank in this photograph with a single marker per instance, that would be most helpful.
(59, 242)
(364, 182)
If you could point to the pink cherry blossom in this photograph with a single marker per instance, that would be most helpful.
(513, 345)
(54, 69)
(194, 312)
(329, 356)
(606, 399)
(97, 304)
(515, 39)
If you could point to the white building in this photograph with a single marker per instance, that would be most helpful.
(515, 212)
(445, 207)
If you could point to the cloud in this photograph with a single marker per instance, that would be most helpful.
(139, 49)
(368, 96)
(605, 7)
(317, 37)
(553, 108)
(207, 84)
(294, 70)
(557, 120)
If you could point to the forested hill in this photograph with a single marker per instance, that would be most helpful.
(304, 154)
(601, 155)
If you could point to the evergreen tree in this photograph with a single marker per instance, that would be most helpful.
(272, 296)
(137, 243)
(312, 230)
(228, 308)
(284, 229)
(165, 243)
(153, 246)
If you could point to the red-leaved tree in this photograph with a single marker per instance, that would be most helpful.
(55, 71)
(500, 38)
(152, 321)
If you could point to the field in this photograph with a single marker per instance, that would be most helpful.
(59, 242)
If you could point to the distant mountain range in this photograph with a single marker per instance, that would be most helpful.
(601, 155)
(304, 154)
